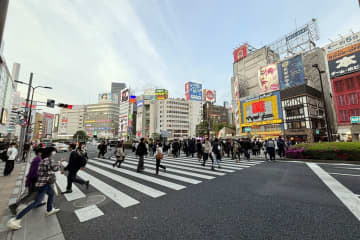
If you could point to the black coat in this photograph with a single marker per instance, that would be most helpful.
(74, 162)
(141, 149)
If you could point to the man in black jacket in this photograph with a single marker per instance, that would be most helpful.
(141, 151)
(74, 165)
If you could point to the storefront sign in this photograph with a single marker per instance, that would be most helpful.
(355, 119)
(344, 65)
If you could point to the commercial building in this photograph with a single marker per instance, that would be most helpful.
(215, 113)
(116, 88)
(195, 116)
(102, 120)
(343, 58)
(71, 121)
(47, 122)
(38, 127)
(127, 114)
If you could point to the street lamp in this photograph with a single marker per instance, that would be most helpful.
(323, 98)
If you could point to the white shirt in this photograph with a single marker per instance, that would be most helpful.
(12, 153)
(159, 150)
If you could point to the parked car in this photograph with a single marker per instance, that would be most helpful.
(61, 147)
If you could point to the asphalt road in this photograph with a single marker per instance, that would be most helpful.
(277, 200)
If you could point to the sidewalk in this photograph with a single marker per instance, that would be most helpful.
(35, 226)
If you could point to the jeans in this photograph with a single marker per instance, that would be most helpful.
(237, 155)
(9, 167)
(140, 166)
(73, 178)
(158, 164)
(47, 189)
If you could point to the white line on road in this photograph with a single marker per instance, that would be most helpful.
(152, 192)
(344, 174)
(349, 199)
(61, 181)
(88, 213)
(167, 175)
(197, 163)
(141, 176)
(349, 168)
(119, 197)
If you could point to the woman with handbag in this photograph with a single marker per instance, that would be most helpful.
(46, 178)
(159, 155)
(120, 156)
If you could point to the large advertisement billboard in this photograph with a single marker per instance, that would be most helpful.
(105, 97)
(240, 53)
(268, 78)
(344, 42)
(209, 95)
(345, 64)
(291, 72)
(161, 94)
(193, 91)
(261, 110)
(125, 95)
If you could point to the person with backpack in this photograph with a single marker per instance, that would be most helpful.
(30, 182)
(76, 162)
(216, 149)
(44, 183)
(120, 156)
(141, 151)
(159, 156)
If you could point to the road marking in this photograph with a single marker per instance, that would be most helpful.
(152, 192)
(237, 166)
(196, 163)
(344, 174)
(349, 168)
(119, 197)
(168, 175)
(141, 176)
(349, 199)
(88, 213)
(61, 181)
(134, 161)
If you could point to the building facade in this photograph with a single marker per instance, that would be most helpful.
(71, 121)
(102, 120)
(195, 116)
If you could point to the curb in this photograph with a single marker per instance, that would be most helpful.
(320, 161)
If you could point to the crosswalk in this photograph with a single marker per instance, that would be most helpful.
(181, 173)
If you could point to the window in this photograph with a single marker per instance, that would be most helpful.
(353, 98)
(342, 100)
(338, 85)
(344, 117)
(350, 84)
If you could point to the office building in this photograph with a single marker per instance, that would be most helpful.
(71, 121)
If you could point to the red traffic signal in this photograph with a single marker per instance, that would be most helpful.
(62, 105)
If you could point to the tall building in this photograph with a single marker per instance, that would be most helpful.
(48, 122)
(116, 88)
(215, 113)
(195, 116)
(3, 12)
(127, 114)
(71, 121)
(102, 120)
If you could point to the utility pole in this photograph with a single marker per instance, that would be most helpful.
(23, 133)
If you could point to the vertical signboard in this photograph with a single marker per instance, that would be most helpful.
(240, 53)
(291, 72)
(268, 78)
(193, 91)
(125, 95)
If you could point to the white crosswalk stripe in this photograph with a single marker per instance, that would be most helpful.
(182, 169)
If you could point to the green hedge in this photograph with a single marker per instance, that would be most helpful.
(345, 151)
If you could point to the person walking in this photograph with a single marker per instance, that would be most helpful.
(141, 151)
(159, 156)
(26, 151)
(12, 153)
(216, 149)
(120, 156)
(46, 178)
(192, 147)
(237, 151)
(199, 150)
(30, 182)
(102, 149)
(281, 147)
(207, 152)
(76, 162)
(175, 148)
(271, 149)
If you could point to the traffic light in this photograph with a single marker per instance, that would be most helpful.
(50, 103)
(62, 105)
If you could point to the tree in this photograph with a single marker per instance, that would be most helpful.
(202, 128)
(80, 135)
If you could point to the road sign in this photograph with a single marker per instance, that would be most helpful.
(355, 119)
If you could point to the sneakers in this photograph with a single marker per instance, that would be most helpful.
(13, 208)
(67, 191)
(53, 211)
(14, 224)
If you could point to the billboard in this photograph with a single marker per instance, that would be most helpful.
(105, 97)
(132, 99)
(125, 95)
(193, 91)
(240, 53)
(344, 65)
(346, 41)
(261, 110)
(161, 94)
(291, 72)
(140, 103)
(268, 78)
(209, 95)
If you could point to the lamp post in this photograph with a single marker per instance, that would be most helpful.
(323, 98)
(27, 114)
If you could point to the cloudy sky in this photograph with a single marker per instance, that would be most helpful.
(79, 47)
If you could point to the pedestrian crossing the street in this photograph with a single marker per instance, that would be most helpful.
(118, 184)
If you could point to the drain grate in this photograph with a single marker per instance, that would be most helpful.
(89, 200)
